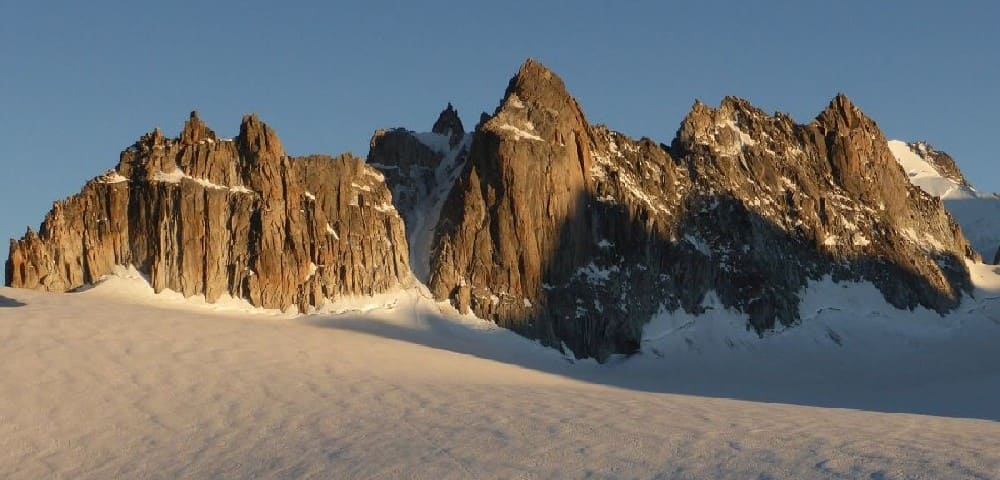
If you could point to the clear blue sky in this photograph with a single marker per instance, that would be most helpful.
(79, 81)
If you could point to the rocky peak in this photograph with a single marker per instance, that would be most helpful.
(841, 154)
(450, 125)
(523, 219)
(257, 138)
(724, 130)
(860, 159)
(195, 131)
(841, 114)
(534, 82)
(538, 96)
(152, 139)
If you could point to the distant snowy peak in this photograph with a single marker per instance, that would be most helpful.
(936, 173)
(941, 161)
(933, 171)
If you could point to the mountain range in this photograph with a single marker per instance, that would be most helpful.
(563, 231)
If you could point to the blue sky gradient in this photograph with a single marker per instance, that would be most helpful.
(79, 81)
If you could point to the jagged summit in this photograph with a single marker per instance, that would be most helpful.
(841, 113)
(536, 107)
(535, 82)
(536, 86)
(450, 125)
(843, 143)
(256, 137)
(483, 118)
(534, 78)
(703, 124)
(195, 130)
(152, 138)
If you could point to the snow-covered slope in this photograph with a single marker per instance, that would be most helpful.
(116, 382)
(977, 213)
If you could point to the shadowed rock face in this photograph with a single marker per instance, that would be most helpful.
(450, 125)
(420, 169)
(203, 215)
(576, 235)
(833, 184)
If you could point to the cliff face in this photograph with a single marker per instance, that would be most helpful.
(576, 235)
(204, 215)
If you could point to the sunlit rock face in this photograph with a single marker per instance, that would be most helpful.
(204, 215)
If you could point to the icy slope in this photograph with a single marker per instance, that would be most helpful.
(977, 213)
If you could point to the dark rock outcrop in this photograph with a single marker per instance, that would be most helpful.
(576, 235)
(449, 125)
(203, 215)
(420, 169)
(408, 166)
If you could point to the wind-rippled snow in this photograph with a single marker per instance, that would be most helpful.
(116, 382)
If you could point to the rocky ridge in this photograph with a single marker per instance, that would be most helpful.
(576, 235)
(564, 231)
(204, 215)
